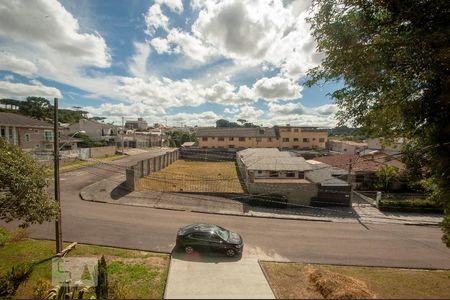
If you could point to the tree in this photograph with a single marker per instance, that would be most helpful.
(393, 58)
(37, 107)
(23, 194)
(386, 176)
(101, 290)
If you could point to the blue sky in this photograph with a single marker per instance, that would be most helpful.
(190, 62)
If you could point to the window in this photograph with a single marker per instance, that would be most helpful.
(290, 174)
(242, 139)
(231, 139)
(213, 138)
(305, 140)
(273, 174)
(301, 175)
(204, 138)
(259, 172)
(48, 135)
(2, 132)
(199, 236)
(295, 139)
(221, 138)
(27, 137)
(314, 139)
(295, 147)
(230, 146)
(10, 134)
(296, 130)
(321, 140)
(285, 140)
(269, 139)
(37, 146)
(36, 131)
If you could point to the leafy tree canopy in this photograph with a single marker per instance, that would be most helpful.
(23, 188)
(222, 123)
(177, 138)
(394, 59)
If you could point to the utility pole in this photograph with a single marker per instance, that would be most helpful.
(122, 133)
(349, 178)
(58, 231)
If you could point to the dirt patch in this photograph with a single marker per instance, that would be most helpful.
(337, 286)
(193, 176)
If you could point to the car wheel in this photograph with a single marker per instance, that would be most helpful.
(188, 249)
(230, 252)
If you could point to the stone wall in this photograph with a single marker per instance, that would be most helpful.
(296, 193)
(102, 151)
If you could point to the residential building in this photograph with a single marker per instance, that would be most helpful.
(95, 130)
(282, 137)
(140, 139)
(363, 167)
(348, 147)
(28, 133)
(389, 147)
(139, 124)
(270, 171)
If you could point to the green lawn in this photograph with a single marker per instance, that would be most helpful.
(292, 280)
(131, 273)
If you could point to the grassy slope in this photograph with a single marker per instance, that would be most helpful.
(290, 281)
(135, 274)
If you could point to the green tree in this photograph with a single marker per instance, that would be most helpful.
(101, 290)
(393, 58)
(23, 184)
(37, 107)
(386, 176)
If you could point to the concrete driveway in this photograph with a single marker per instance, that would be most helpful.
(214, 276)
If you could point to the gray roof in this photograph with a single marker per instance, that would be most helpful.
(272, 159)
(323, 173)
(236, 132)
(17, 120)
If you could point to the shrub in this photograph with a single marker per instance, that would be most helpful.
(19, 234)
(41, 289)
(101, 290)
(5, 236)
(5, 287)
(411, 205)
(18, 274)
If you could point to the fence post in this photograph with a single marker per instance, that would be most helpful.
(378, 199)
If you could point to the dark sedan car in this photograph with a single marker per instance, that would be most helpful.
(209, 237)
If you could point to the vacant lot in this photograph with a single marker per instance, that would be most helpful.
(131, 274)
(291, 280)
(194, 176)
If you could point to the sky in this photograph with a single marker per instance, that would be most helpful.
(180, 62)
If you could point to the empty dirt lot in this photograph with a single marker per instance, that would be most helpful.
(193, 176)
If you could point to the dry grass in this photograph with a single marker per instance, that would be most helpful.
(332, 285)
(193, 176)
(312, 281)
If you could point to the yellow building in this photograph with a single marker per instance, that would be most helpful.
(282, 137)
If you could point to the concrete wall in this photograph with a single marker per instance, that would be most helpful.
(296, 193)
(102, 151)
(145, 167)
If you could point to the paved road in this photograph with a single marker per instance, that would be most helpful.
(290, 240)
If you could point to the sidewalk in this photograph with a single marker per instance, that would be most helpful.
(215, 276)
(112, 190)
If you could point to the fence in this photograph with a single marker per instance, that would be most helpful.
(207, 154)
(81, 153)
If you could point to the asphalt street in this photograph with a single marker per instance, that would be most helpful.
(151, 229)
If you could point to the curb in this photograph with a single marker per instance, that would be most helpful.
(355, 265)
(168, 274)
(267, 278)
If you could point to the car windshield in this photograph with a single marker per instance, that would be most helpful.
(223, 233)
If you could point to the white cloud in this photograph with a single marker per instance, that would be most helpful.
(297, 114)
(174, 5)
(249, 113)
(12, 90)
(286, 109)
(326, 110)
(155, 19)
(8, 78)
(137, 65)
(277, 88)
(160, 45)
(206, 118)
(52, 29)
(10, 62)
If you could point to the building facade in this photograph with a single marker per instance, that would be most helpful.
(282, 137)
(139, 124)
(28, 133)
(95, 130)
(348, 147)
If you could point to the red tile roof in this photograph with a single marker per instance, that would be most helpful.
(359, 163)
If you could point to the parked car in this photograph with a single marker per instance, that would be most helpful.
(209, 237)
